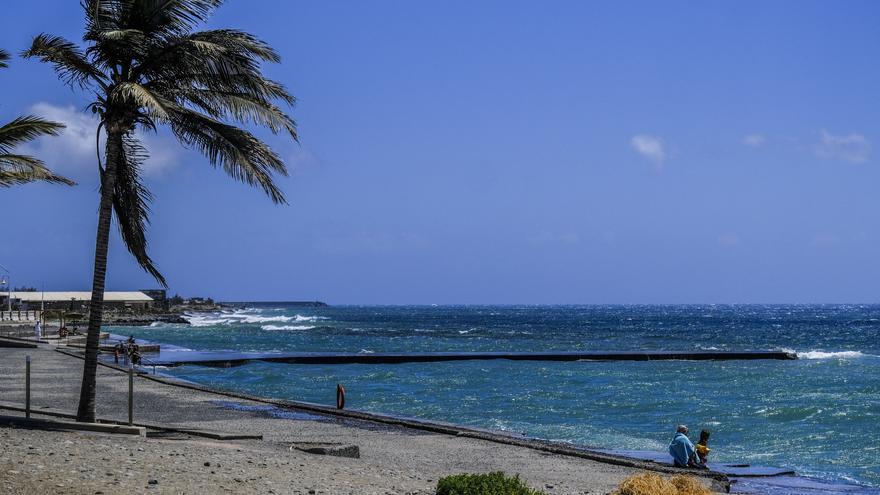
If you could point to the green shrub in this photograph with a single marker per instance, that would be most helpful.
(496, 483)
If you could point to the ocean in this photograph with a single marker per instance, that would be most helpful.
(818, 415)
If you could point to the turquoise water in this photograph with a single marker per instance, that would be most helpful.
(819, 415)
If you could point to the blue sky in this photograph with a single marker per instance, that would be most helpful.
(502, 152)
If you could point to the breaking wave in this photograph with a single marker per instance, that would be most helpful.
(287, 327)
(831, 355)
(243, 316)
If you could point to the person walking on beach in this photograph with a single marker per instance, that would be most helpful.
(682, 449)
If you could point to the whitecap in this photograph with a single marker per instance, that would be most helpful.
(243, 316)
(205, 320)
(266, 319)
(287, 327)
(830, 355)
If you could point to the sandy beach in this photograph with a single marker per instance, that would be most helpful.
(393, 460)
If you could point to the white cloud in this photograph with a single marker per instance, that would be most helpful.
(754, 140)
(853, 147)
(74, 151)
(651, 147)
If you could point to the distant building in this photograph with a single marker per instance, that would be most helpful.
(76, 301)
(160, 299)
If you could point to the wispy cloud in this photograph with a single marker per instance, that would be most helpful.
(74, 151)
(754, 140)
(854, 148)
(301, 158)
(651, 147)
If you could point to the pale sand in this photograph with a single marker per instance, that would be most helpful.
(393, 460)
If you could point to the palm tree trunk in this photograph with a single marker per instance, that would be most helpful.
(114, 153)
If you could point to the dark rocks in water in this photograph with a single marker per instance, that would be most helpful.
(143, 320)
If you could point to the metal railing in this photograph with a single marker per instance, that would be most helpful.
(20, 332)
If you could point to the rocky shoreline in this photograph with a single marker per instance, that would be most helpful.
(144, 320)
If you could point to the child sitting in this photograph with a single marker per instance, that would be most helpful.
(702, 447)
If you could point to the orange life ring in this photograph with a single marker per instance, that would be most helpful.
(340, 397)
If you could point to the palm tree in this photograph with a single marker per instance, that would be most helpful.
(145, 66)
(20, 169)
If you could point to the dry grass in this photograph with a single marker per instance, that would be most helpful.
(688, 485)
(654, 484)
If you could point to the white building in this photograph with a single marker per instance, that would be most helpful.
(76, 300)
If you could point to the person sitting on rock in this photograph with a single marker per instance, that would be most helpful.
(682, 450)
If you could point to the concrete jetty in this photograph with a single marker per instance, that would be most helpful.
(229, 359)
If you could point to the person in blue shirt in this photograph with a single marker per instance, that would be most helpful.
(682, 449)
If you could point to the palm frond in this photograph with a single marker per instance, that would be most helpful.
(131, 203)
(21, 169)
(24, 129)
(68, 60)
(240, 107)
(181, 81)
(221, 52)
(4, 57)
(142, 98)
(130, 35)
(237, 41)
(158, 17)
(241, 154)
(102, 14)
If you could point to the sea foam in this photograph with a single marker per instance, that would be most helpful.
(831, 355)
(287, 327)
(243, 316)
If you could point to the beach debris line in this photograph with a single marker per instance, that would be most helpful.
(328, 448)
